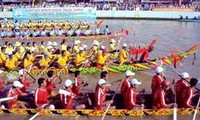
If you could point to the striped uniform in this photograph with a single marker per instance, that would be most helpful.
(41, 96)
(159, 99)
(130, 96)
(67, 100)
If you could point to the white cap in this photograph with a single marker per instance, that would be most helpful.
(49, 43)
(113, 40)
(49, 47)
(84, 46)
(125, 45)
(21, 72)
(68, 82)
(101, 81)
(10, 53)
(102, 47)
(76, 42)
(55, 44)
(17, 84)
(81, 48)
(17, 44)
(1, 71)
(159, 69)
(129, 73)
(96, 43)
(135, 82)
(185, 75)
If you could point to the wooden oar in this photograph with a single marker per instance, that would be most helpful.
(41, 108)
(104, 115)
(6, 99)
(175, 106)
(196, 109)
(46, 67)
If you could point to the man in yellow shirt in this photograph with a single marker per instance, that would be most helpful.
(80, 59)
(123, 55)
(62, 62)
(2, 56)
(10, 63)
(27, 60)
(102, 59)
(45, 61)
(76, 46)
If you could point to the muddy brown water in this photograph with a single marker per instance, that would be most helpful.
(170, 34)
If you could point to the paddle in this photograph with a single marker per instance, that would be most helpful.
(6, 99)
(175, 107)
(41, 108)
(104, 115)
(196, 109)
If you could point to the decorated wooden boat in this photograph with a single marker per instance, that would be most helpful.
(169, 60)
(90, 112)
(124, 32)
(83, 27)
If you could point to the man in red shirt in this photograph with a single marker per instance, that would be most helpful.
(78, 84)
(50, 81)
(126, 83)
(181, 85)
(41, 94)
(159, 96)
(68, 99)
(14, 91)
(188, 94)
(131, 95)
(22, 79)
(145, 55)
(157, 80)
(100, 95)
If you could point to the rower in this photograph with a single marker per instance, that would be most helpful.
(81, 59)
(63, 45)
(131, 95)
(100, 93)
(28, 46)
(2, 57)
(107, 31)
(123, 54)
(103, 58)
(34, 48)
(59, 32)
(62, 61)
(145, 55)
(157, 79)
(51, 77)
(181, 85)
(42, 47)
(97, 31)
(75, 48)
(188, 94)
(70, 32)
(68, 100)
(41, 94)
(14, 91)
(10, 63)
(112, 46)
(159, 96)
(78, 31)
(43, 33)
(126, 84)
(27, 60)
(22, 49)
(44, 62)
(23, 81)
(3, 84)
(87, 31)
(78, 83)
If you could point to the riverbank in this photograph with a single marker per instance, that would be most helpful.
(114, 14)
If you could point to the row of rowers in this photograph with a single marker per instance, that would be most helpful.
(78, 55)
(71, 97)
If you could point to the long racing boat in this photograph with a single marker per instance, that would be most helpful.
(172, 59)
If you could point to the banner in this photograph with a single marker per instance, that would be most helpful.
(58, 13)
(174, 9)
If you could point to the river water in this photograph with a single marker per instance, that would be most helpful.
(170, 35)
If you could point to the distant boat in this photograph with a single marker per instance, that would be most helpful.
(189, 20)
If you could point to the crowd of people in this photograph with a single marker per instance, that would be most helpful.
(26, 55)
(106, 6)
(50, 29)
(71, 96)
